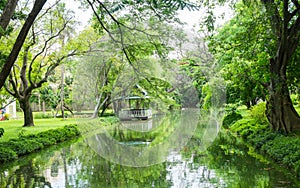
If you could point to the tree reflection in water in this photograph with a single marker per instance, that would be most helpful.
(225, 164)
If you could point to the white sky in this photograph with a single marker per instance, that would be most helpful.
(190, 17)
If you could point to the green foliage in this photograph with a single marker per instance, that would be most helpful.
(49, 96)
(258, 113)
(141, 10)
(295, 99)
(43, 115)
(21, 133)
(297, 167)
(241, 47)
(22, 145)
(258, 140)
(7, 154)
(157, 89)
(247, 127)
(110, 120)
(1, 132)
(230, 119)
(2, 5)
(213, 93)
(30, 143)
(207, 93)
(284, 149)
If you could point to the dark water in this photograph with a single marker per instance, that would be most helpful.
(205, 161)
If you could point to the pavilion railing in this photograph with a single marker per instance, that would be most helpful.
(135, 114)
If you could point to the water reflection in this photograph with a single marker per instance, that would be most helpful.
(166, 134)
(225, 164)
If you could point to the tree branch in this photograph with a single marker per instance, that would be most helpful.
(44, 48)
(7, 15)
(273, 12)
(38, 5)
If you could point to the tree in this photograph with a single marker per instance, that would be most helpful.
(241, 55)
(165, 10)
(96, 76)
(135, 46)
(42, 54)
(283, 35)
(285, 21)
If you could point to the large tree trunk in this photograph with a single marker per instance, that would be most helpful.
(285, 24)
(280, 112)
(28, 116)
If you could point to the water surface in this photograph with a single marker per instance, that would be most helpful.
(205, 161)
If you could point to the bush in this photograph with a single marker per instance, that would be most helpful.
(30, 143)
(230, 119)
(43, 115)
(297, 168)
(258, 113)
(261, 138)
(7, 154)
(46, 141)
(247, 127)
(284, 149)
(1, 132)
(109, 120)
(23, 146)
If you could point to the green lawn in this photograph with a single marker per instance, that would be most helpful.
(14, 127)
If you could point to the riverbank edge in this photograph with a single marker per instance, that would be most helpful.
(282, 149)
(24, 145)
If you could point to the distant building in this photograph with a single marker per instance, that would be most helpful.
(11, 110)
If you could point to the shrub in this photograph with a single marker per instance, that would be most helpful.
(7, 154)
(261, 138)
(1, 132)
(23, 146)
(297, 167)
(283, 148)
(46, 141)
(231, 118)
(109, 120)
(43, 115)
(258, 113)
(26, 144)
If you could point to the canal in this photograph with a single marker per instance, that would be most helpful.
(175, 150)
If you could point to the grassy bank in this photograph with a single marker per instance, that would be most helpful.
(14, 128)
(16, 147)
(252, 127)
(18, 140)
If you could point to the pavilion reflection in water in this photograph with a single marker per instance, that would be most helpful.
(141, 126)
